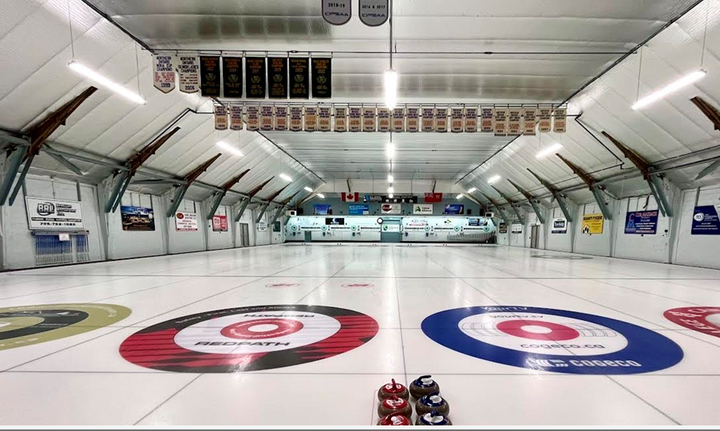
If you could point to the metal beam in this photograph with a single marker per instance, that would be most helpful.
(264, 207)
(219, 196)
(63, 161)
(708, 170)
(710, 111)
(533, 201)
(591, 183)
(512, 204)
(249, 197)
(284, 204)
(14, 159)
(556, 194)
(189, 179)
(497, 206)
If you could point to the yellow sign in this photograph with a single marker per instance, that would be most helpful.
(592, 224)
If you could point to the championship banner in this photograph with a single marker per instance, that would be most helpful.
(545, 119)
(560, 123)
(266, 118)
(322, 78)
(471, 121)
(383, 115)
(368, 119)
(456, 119)
(189, 73)
(500, 119)
(324, 115)
(253, 117)
(300, 78)
(428, 120)
(163, 73)
(486, 120)
(412, 119)
(441, 120)
(210, 71)
(310, 118)
(221, 117)
(373, 13)
(336, 12)
(398, 120)
(341, 124)
(514, 121)
(530, 120)
(255, 77)
(232, 77)
(281, 118)
(296, 118)
(277, 77)
(355, 119)
(236, 117)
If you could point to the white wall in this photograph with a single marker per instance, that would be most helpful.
(558, 241)
(697, 250)
(595, 244)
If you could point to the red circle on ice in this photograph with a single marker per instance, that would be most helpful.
(261, 329)
(525, 329)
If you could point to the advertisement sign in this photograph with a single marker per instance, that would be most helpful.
(592, 224)
(641, 222)
(705, 220)
(186, 221)
(559, 225)
(262, 226)
(137, 218)
(358, 209)
(322, 209)
(390, 209)
(433, 197)
(454, 209)
(391, 227)
(48, 214)
(219, 223)
(423, 209)
(517, 228)
(502, 228)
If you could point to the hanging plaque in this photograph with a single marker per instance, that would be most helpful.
(296, 118)
(500, 117)
(336, 12)
(412, 119)
(428, 119)
(560, 123)
(232, 77)
(373, 13)
(324, 116)
(253, 117)
(441, 120)
(355, 119)
(322, 78)
(486, 120)
(310, 118)
(281, 118)
(163, 73)
(514, 121)
(545, 119)
(398, 120)
(529, 120)
(341, 123)
(236, 117)
(383, 118)
(471, 119)
(266, 118)
(221, 117)
(277, 77)
(456, 119)
(368, 119)
(210, 76)
(255, 77)
(299, 78)
(189, 73)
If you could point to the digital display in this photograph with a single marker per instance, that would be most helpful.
(334, 221)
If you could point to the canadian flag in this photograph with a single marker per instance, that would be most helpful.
(351, 197)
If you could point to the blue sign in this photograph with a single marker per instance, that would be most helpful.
(641, 222)
(706, 221)
(358, 209)
(552, 340)
(323, 209)
(454, 209)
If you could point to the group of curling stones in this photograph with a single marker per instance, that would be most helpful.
(395, 408)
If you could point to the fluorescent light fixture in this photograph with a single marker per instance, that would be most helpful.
(460, 196)
(548, 150)
(671, 88)
(391, 85)
(390, 178)
(391, 189)
(390, 195)
(308, 189)
(321, 196)
(286, 177)
(472, 190)
(390, 150)
(230, 149)
(105, 82)
(494, 179)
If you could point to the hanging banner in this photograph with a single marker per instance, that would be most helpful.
(221, 117)
(49, 214)
(189, 73)
(706, 220)
(296, 118)
(322, 78)
(281, 118)
(253, 117)
(324, 116)
(236, 117)
(186, 221)
(210, 71)
(266, 118)
(355, 119)
(500, 119)
(340, 118)
(336, 12)
(232, 77)
(456, 119)
(368, 119)
(471, 119)
(529, 121)
(514, 121)
(383, 115)
(412, 119)
(300, 78)
(592, 224)
(310, 118)
(163, 73)
(373, 13)
(441, 120)
(428, 119)
(560, 123)
(277, 77)
(641, 222)
(545, 119)
(255, 77)
(398, 120)
(486, 120)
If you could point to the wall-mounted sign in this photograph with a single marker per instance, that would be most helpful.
(517, 228)
(262, 226)
(137, 218)
(592, 224)
(50, 214)
(337, 12)
(373, 12)
(641, 222)
(232, 77)
(358, 209)
(391, 209)
(163, 73)
(210, 76)
(559, 225)
(322, 78)
(391, 227)
(219, 223)
(322, 209)
(423, 209)
(705, 220)
(454, 209)
(255, 77)
(277, 77)
(189, 73)
(502, 228)
(186, 221)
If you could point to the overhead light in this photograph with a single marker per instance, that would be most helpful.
(493, 179)
(391, 195)
(286, 177)
(548, 150)
(105, 82)
(460, 196)
(230, 149)
(472, 190)
(390, 178)
(391, 189)
(390, 150)
(671, 88)
(321, 196)
(308, 189)
(391, 85)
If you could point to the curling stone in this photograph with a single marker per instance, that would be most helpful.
(422, 386)
(390, 389)
(433, 418)
(394, 419)
(431, 402)
(394, 404)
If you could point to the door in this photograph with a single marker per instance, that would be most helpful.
(534, 236)
(244, 235)
(308, 236)
(390, 231)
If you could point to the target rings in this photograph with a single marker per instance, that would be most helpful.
(248, 338)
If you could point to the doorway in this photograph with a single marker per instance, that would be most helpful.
(534, 236)
(244, 235)
(390, 231)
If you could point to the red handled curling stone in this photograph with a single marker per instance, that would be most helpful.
(433, 418)
(395, 405)
(390, 389)
(422, 386)
(431, 402)
(394, 419)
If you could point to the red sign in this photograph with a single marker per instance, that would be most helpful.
(220, 223)
(700, 319)
(433, 197)
(350, 197)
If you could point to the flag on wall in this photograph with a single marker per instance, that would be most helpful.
(456, 116)
(350, 197)
(368, 119)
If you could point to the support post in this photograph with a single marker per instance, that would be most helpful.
(512, 205)
(14, 158)
(249, 197)
(591, 183)
(556, 195)
(533, 202)
(189, 179)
